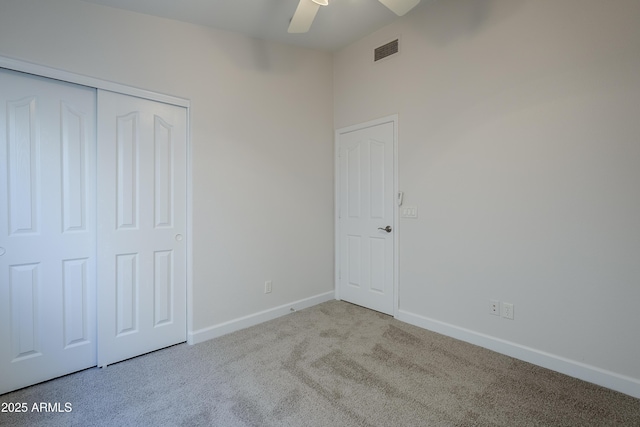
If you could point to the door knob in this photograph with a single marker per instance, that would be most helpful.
(387, 228)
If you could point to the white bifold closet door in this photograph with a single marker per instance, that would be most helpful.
(92, 228)
(141, 226)
(47, 229)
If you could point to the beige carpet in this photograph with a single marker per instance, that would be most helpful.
(334, 364)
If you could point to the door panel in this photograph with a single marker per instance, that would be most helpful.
(366, 199)
(47, 229)
(142, 253)
(75, 289)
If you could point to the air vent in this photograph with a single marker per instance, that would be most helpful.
(385, 50)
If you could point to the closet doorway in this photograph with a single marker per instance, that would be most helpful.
(93, 232)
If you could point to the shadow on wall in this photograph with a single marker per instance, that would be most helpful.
(252, 53)
(445, 24)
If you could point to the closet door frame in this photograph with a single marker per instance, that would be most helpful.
(70, 77)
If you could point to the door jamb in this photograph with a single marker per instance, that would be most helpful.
(336, 194)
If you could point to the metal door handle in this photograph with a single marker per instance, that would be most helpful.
(387, 228)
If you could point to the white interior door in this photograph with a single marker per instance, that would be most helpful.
(47, 229)
(366, 216)
(141, 226)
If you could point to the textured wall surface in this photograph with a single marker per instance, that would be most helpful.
(262, 151)
(519, 143)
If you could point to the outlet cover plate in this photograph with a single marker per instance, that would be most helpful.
(494, 307)
(507, 310)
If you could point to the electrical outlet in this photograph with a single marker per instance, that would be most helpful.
(268, 287)
(507, 310)
(494, 307)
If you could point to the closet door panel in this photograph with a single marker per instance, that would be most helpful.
(142, 224)
(47, 229)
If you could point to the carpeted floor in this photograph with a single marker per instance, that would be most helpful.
(334, 364)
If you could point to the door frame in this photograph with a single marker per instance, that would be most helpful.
(336, 197)
(79, 79)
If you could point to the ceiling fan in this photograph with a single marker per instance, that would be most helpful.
(307, 9)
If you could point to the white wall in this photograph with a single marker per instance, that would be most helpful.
(519, 142)
(262, 140)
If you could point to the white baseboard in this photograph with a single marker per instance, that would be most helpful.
(592, 374)
(204, 334)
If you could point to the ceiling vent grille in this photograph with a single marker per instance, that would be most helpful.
(385, 50)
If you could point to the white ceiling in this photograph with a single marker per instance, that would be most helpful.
(336, 25)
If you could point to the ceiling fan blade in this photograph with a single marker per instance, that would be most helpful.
(303, 17)
(400, 7)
